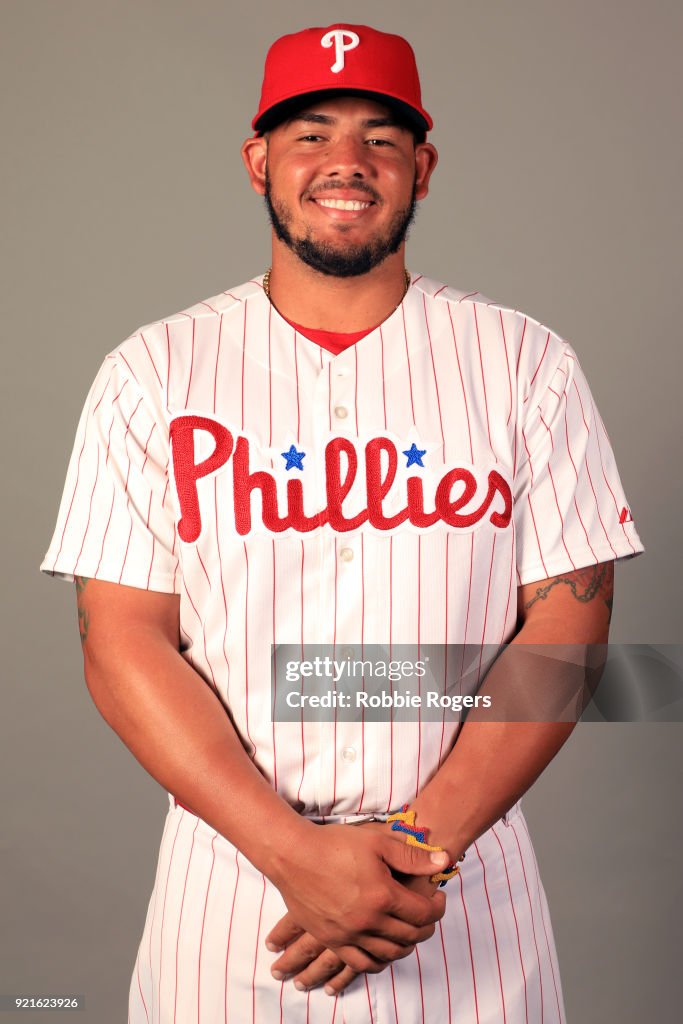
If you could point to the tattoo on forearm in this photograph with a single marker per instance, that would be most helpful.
(83, 616)
(595, 581)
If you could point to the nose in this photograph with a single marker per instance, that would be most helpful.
(347, 157)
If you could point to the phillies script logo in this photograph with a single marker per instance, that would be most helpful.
(363, 485)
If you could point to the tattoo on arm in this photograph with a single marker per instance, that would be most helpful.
(83, 617)
(595, 581)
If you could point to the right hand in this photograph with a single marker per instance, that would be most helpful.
(341, 890)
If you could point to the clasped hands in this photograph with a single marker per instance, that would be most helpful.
(358, 899)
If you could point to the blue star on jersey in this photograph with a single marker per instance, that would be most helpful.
(294, 459)
(415, 456)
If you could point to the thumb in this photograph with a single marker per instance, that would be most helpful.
(413, 860)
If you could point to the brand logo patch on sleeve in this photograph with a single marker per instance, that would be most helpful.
(625, 516)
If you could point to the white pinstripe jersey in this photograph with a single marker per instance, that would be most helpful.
(354, 541)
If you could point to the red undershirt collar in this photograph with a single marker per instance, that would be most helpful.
(334, 341)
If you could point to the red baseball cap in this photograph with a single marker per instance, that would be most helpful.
(351, 59)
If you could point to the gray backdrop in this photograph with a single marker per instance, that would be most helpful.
(557, 192)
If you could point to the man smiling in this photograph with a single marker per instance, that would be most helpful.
(339, 453)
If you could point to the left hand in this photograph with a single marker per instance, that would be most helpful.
(308, 961)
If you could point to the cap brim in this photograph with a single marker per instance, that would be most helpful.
(279, 112)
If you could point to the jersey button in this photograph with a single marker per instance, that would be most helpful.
(346, 554)
(349, 653)
(348, 754)
(341, 412)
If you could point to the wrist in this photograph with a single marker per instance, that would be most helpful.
(284, 848)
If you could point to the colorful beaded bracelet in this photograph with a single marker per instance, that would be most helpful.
(404, 821)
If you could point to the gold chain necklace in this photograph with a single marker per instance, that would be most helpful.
(266, 285)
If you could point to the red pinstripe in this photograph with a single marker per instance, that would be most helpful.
(533, 518)
(244, 347)
(201, 562)
(507, 605)
(545, 930)
(367, 989)
(462, 384)
(355, 383)
(419, 687)
(256, 949)
(507, 364)
(514, 914)
(552, 481)
(225, 600)
(85, 534)
(445, 652)
(201, 936)
(177, 938)
(419, 978)
(189, 379)
(218, 355)
(163, 914)
(391, 633)
(483, 376)
(150, 358)
(298, 406)
(203, 629)
(227, 951)
(576, 474)
(334, 654)
(130, 368)
(246, 648)
(270, 380)
(410, 376)
(78, 473)
(436, 385)
(384, 395)
(493, 929)
(598, 421)
(531, 915)
(521, 345)
(140, 990)
(362, 655)
(303, 744)
(274, 671)
(445, 968)
(168, 368)
(540, 362)
(486, 608)
(590, 478)
(393, 991)
(469, 942)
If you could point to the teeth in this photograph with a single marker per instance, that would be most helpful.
(343, 204)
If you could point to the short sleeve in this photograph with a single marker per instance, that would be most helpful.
(115, 520)
(569, 507)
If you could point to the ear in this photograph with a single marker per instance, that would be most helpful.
(254, 154)
(426, 158)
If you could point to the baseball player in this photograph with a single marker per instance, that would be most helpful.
(337, 452)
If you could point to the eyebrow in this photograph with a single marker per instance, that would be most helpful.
(371, 122)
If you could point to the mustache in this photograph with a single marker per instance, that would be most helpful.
(353, 186)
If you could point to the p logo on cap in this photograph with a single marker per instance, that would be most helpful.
(314, 63)
(336, 39)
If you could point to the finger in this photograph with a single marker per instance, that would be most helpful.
(359, 960)
(383, 951)
(284, 932)
(413, 860)
(339, 982)
(414, 908)
(326, 966)
(298, 955)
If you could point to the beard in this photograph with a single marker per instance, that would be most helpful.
(328, 258)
